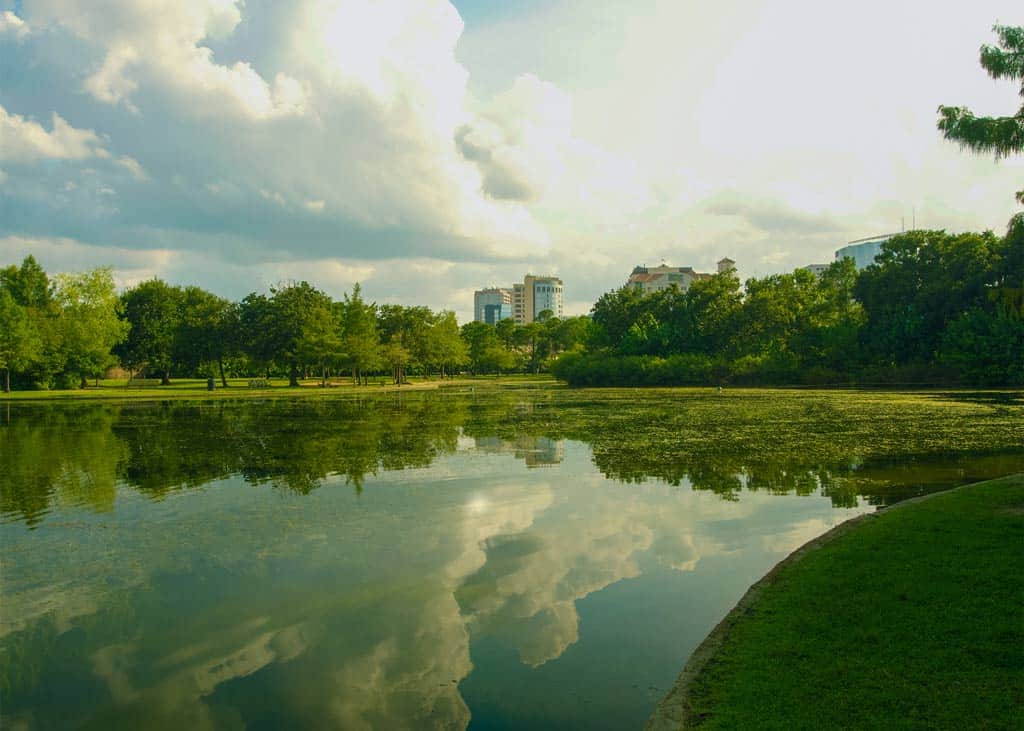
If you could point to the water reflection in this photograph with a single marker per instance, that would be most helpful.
(72, 455)
(405, 549)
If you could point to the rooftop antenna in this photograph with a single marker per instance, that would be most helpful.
(903, 226)
(913, 212)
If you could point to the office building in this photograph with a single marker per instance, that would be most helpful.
(534, 296)
(863, 251)
(491, 305)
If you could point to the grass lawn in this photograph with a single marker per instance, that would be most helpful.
(913, 618)
(192, 388)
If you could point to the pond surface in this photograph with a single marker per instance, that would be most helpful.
(485, 559)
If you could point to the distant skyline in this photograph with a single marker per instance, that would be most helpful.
(427, 149)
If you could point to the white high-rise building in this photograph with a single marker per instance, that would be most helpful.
(534, 296)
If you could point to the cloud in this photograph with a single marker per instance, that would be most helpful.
(503, 178)
(25, 141)
(13, 26)
(485, 147)
(161, 41)
(771, 215)
(133, 167)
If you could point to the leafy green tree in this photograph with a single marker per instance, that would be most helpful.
(447, 348)
(714, 304)
(985, 348)
(20, 344)
(202, 337)
(306, 331)
(922, 281)
(410, 326)
(27, 284)
(1002, 136)
(614, 314)
(506, 331)
(397, 357)
(153, 309)
(480, 338)
(262, 340)
(90, 325)
(359, 338)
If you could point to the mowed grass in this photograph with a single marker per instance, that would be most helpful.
(196, 388)
(911, 619)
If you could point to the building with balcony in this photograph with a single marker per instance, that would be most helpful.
(655, 279)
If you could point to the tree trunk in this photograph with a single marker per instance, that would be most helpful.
(165, 380)
(293, 376)
(223, 380)
(323, 375)
(83, 383)
(7, 380)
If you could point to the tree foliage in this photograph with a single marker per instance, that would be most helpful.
(1001, 136)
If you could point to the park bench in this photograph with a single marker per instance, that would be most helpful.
(259, 383)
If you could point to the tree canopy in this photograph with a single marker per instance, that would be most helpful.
(1002, 136)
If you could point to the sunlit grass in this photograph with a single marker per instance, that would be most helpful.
(913, 619)
(196, 388)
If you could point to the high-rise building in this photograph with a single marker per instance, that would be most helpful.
(863, 251)
(491, 305)
(534, 296)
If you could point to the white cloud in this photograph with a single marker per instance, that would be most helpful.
(13, 26)
(671, 132)
(23, 141)
(162, 39)
(133, 167)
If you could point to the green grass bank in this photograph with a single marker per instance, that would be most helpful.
(195, 388)
(911, 617)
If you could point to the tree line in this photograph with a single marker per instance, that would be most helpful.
(933, 308)
(59, 332)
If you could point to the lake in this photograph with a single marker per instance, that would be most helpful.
(464, 558)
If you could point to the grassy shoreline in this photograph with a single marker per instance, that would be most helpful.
(906, 618)
(195, 388)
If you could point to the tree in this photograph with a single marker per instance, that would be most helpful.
(260, 336)
(447, 348)
(305, 328)
(922, 281)
(1002, 136)
(480, 338)
(28, 285)
(20, 344)
(359, 338)
(90, 325)
(202, 337)
(153, 309)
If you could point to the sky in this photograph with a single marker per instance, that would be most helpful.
(427, 149)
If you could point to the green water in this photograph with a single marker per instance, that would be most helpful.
(485, 559)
